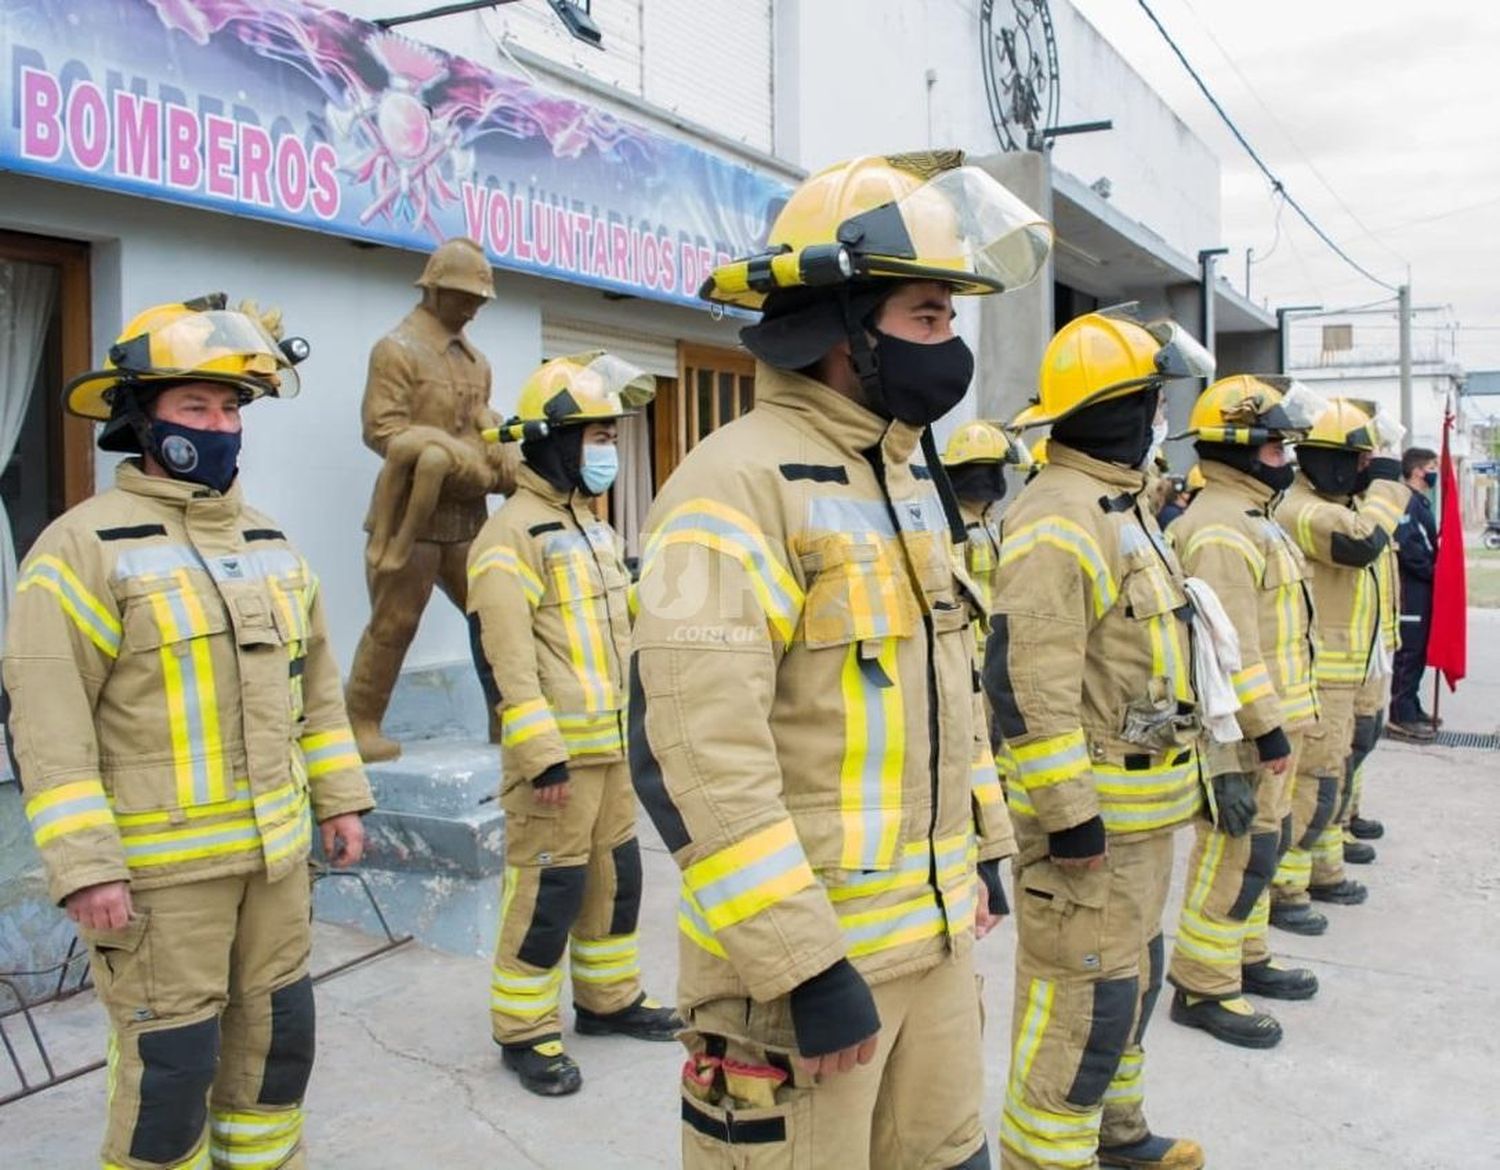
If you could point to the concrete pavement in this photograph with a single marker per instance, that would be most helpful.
(1392, 1067)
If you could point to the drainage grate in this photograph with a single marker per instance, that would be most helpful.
(1467, 739)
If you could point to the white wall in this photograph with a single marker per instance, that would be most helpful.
(304, 462)
(852, 79)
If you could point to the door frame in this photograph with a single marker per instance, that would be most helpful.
(72, 447)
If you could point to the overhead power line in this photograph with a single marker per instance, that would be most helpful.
(1276, 184)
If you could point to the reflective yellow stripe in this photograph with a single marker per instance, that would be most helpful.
(197, 1160)
(329, 751)
(1125, 1087)
(1252, 684)
(1220, 536)
(525, 721)
(69, 808)
(874, 757)
(88, 613)
(529, 997)
(1381, 510)
(1045, 1137)
(1069, 537)
(583, 623)
(869, 931)
(291, 838)
(608, 960)
(712, 525)
(1054, 760)
(749, 876)
(591, 734)
(190, 843)
(1153, 798)
(192, 699)
(984, 781)
(253, 1140)
(691, 922)
(506, 561)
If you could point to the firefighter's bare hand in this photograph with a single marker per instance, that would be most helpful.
(554, 795)
(984, 921)
(343, 840)
(1093, 862)
(102, 907)
(841, 1061)
(1278, 766)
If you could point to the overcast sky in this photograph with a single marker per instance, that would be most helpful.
(1395, 106)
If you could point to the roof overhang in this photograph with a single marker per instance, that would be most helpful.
(1108, 255)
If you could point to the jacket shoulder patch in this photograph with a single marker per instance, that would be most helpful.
(132, 532)
(263, 534)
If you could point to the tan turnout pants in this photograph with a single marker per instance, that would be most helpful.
(1089, 965)
(572, 883)
(915, 1106)
(211, 1024)
(1227, 900)
(1316, 854)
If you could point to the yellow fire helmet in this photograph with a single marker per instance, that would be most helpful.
(1195, 481)
(199, 341)
(459, 264)
(922, 216)
(1109, 354)
(1247, 410)
(983, 442)
(594, 386)
(1390, 435)
(1342, 426)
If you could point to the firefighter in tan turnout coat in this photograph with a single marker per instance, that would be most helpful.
(805, 721)
(178, 725)
(550, 626)
(1088, 670)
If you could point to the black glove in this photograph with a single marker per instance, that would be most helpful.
(1234, 793)
(989, 874)
(1273, 745)
(1085, 840)
(555, 774)
(833, 1010)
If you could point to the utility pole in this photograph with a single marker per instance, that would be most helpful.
(1403, 295)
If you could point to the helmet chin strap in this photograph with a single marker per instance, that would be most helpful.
(139, 423)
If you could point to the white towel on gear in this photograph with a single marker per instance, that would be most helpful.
(1216, 659)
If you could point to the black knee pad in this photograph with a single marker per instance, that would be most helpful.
(627, 911)
(1328, 799)
(1114, 1009)
(289, 1059)
(978, 1160)
(177, 1071)
(1366, 736)
(1259, 870)
(1284, 845)
(559, 898)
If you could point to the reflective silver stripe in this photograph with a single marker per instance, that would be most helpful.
(750, 877)
(191, 699)
(156, 560)
(870, 931)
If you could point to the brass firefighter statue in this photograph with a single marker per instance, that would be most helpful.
(425, 409)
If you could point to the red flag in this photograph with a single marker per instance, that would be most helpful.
(1448, 642)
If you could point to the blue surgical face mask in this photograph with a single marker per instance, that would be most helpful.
(598, 468)
(1430, 479)
(210, 458)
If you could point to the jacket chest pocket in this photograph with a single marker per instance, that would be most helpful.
(168, 616)
(1154, 599)
(1284, 566)
(856, 593)
(1150, 591)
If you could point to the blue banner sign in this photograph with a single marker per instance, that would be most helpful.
(286, 111)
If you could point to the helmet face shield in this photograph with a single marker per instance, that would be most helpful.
(609, 377)
(217, 346)
(960, 223)
(1300, 407)
(581, 388)
(1181, 354)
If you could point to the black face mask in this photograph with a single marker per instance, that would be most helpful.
(1278, 479)
(1332, 471)
(1430, 478)
(1117, 430)
(210, 458)
(1362, 481)
(921, 383)
(556, 458)
(979, 483)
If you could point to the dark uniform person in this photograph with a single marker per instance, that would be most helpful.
(1416, 552)
(177, 721)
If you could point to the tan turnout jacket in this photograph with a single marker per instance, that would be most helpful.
(174, 707)
(805, 717)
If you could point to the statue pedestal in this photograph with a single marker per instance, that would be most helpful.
(434, 848)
